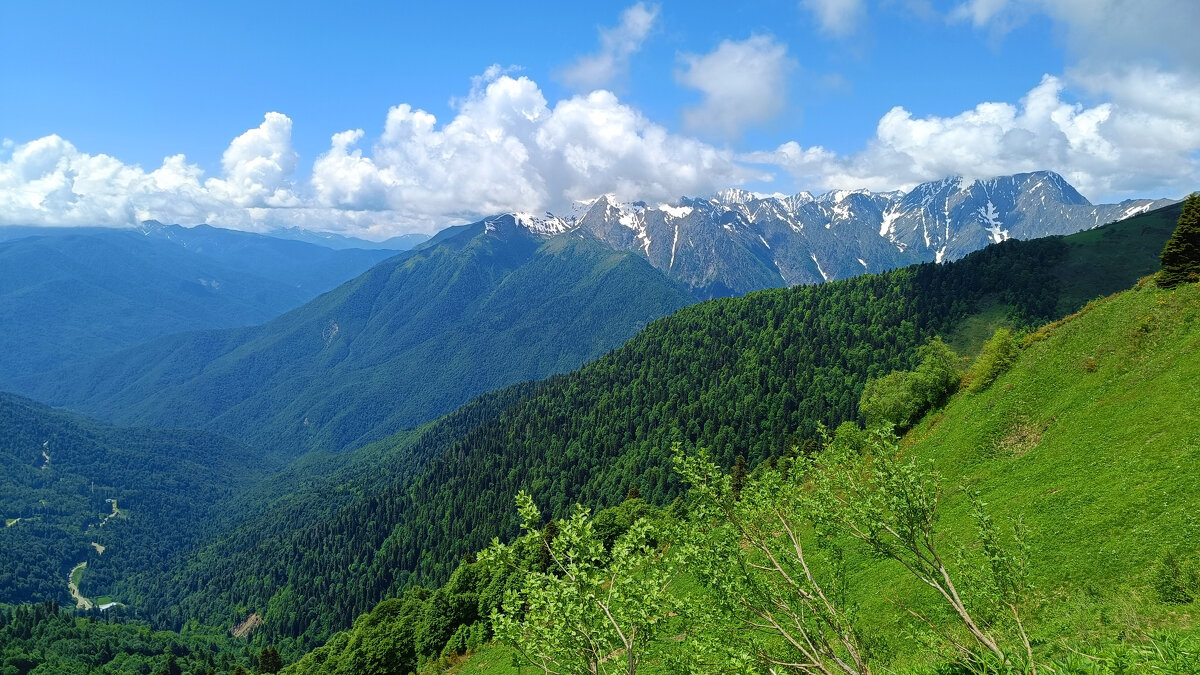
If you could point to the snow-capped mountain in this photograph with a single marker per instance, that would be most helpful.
(739, 241)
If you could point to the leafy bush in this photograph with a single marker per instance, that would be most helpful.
(1176, 579)
(901, 397)
(999, 352)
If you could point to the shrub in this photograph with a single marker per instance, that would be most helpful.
(999, 352)
(1176, 579)
(902, 397)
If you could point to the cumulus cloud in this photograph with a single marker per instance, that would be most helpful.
(507, 149)
(617, 45)
(742, 83)
(48, 181)
(258, 164)
(836, 17)
(1145, 136)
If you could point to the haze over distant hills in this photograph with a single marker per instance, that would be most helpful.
(71, 294)
(412, 338)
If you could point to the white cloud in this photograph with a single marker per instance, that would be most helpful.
(742, 83)
(507, 149)
(1104, 32)
(257, 165)
(836, 17)
(48, 181)
(1145, 137)
(617, 45)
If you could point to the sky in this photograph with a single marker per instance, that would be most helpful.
(382, 118)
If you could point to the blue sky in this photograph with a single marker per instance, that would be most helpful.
(256, 115)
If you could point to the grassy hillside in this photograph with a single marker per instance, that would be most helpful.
(1093, 438)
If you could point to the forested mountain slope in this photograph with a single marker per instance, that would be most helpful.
(412, 338)
(1082, 445)
(749, 376)
(69, 296)
(141, 495)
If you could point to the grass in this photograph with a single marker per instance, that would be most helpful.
(1092, 438)
(968, 337)
(8, 522)
(1101, 261)
(77, 576)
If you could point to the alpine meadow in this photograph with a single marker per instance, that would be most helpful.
(826, 338)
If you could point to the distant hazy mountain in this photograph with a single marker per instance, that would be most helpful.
(339, 241)
(67, 295)
(737, 241)
(485, 306)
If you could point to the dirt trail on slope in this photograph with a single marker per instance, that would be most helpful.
(80, 601)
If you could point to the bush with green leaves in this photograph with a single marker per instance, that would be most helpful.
(593, 610)
(998, 354)
(773, 559)
(902, 397)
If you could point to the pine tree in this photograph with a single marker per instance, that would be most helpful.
(1181, 256)
(269, 661)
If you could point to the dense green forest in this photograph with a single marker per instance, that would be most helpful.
(42, 638)
(747, 377)
(120, 499)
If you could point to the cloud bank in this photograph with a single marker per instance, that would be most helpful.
(506, 148)
(1144, 138)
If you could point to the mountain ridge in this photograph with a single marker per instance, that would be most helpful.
(737, 241)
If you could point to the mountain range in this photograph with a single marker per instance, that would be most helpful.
(737, 241)
(412, 338)
(746, 376)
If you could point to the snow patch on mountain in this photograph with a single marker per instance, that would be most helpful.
(991, 222)
(546, 225)
(676, 211)
(824, 276)
(1135, 210)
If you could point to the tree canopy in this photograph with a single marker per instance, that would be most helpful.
(1181, 255)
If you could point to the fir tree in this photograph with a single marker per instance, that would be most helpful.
(1181, 256)
(269, 660)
